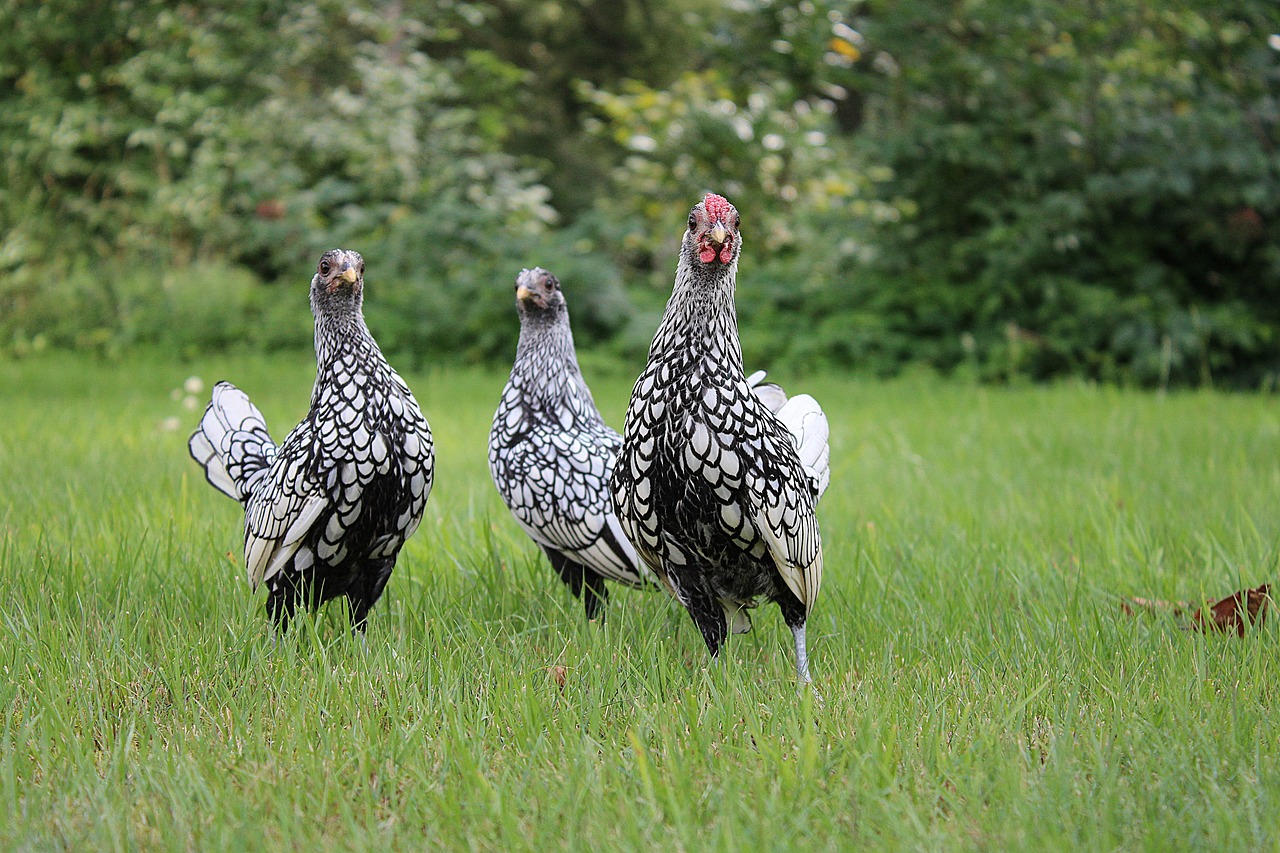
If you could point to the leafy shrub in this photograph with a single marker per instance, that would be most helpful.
(1008, 188)
(1095, 191)
(189, 309)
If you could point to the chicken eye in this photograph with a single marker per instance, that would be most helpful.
(693, 221)
(736, 220)
(362, 268)
(324, 268)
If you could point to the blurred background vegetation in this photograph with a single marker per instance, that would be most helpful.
(1006, 189)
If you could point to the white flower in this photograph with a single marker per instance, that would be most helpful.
(640, 142)
(193, 385)
(847, 33)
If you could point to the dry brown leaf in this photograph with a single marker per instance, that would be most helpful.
(558, 674)
(1229, 613)
(1132, 604)
(1224, 615)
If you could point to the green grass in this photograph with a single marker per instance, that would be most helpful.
(977, 685)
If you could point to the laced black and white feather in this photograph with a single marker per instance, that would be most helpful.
(551, 454)
(328, 510)
(717, 482)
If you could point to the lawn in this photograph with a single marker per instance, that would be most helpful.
(977, 684)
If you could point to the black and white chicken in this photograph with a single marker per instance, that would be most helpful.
(328, 510)
(551, 454)
(717, 483)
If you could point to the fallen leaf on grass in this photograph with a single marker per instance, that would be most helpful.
(1224, 615)
(558, 674)
(1131, 605)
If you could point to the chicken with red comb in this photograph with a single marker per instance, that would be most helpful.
(718, 478)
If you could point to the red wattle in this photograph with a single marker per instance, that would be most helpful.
(726, 252)
(706, 254)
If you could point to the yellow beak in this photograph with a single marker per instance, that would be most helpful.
(350, 274)
(523, 293)
(719, 234)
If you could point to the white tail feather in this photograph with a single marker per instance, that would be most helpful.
(807, 423)
(232, 443)
(202, 450)
(769, 393)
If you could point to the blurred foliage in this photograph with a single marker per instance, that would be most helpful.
(1009, 188)
(1096, 185)
(249, 135)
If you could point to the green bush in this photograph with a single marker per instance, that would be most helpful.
(1011, 188)
(1096, 190)
(202, 307)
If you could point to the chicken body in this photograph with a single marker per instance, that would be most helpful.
(551, 454)
(328, 510)
(717, 485)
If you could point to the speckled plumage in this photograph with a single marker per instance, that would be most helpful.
(717, 485)
(551, 454)
(328, 510)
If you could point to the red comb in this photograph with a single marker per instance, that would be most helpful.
(717, 207)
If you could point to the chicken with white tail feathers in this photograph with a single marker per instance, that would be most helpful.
(717, 483)
(328, 510)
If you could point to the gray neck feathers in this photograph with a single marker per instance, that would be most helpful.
(342, 334)
(338, 315)
(700, 318)
(546, 366)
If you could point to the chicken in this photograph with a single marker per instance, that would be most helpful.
(551, 454)
(717, 484)
(328, 510)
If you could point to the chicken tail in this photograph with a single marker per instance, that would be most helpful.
(232, 443)
(769, 393)
(807, 423)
